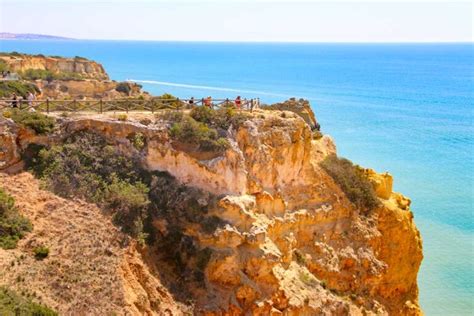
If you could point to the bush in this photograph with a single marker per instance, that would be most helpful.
(123, 87)
(41, 252)
(138, 140)
(43, 74)
(3, 66)
(122, 117)
(190, 131)
(168, 100)
(171, 116)
(203, 114)
(129, 202)
(317, 135)
(13, 304)
(40, 123)
(86, 166)
(7, 88)
(7, 114)
(13, 226)
(352, 182)
(221, 118)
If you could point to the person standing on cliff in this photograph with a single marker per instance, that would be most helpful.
(31, 98)
(208, 102)
(14, 101)
(238, 102)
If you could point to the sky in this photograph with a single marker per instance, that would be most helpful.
(243, 20)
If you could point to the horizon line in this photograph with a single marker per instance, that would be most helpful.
(67, 39)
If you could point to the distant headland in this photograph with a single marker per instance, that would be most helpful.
(29, 36)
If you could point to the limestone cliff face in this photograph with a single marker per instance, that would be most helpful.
(291, 242)
(77, 78)
(86, 68)
(83, 89)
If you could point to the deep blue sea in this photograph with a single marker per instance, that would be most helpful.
(402, 108)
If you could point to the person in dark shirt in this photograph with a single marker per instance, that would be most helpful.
(14, 101)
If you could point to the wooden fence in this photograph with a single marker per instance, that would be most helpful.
(123, 105)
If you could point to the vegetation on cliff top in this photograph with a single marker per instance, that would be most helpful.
(20, 88)
(12, 304)
(17, 54)
(13, 226)
(35, 74)
(40, 123)
(88, 167)
(352, 182)
(204, 126)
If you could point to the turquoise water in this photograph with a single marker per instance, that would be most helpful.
(402, 108)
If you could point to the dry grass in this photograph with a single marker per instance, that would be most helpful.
(80, 273)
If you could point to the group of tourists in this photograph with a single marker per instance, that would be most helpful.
(18, 100)
(238, 102)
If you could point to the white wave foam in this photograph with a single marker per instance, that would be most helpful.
(199, 87)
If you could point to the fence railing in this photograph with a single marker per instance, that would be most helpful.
(124, 105)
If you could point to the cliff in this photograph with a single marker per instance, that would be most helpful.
(87, 69)
(260, 228)
(62, 78)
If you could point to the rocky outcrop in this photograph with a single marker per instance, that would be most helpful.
(84, 89)
(69, 78)
(288, 240)
(300, 107)
(87, 69)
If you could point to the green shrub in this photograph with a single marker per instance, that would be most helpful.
(168, 100)
(80, 58)
(129, 202)
(123, 87)
(7, 88)
(3, 66)
(138, 140)
(86, 166)
(40, 123)
(171, 116)
(34, 74)
(203, 114)
(190, 131)
(43, 74)
(12, 304)
(299, 257)
(317, 135)
(7, 113)
(13, 226)
(352, 182)
(41, 252)
(221, 118)
(122, 117)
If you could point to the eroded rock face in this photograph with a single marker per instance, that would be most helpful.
(300, 107)
(80, 89)
(290, 242)
(86, 68)
(9, 151)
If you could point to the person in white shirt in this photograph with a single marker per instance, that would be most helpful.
(31, 98)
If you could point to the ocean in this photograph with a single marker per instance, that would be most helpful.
(402, 108)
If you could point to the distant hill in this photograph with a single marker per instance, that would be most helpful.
(28, 36)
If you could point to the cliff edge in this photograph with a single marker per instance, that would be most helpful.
(259, 227)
